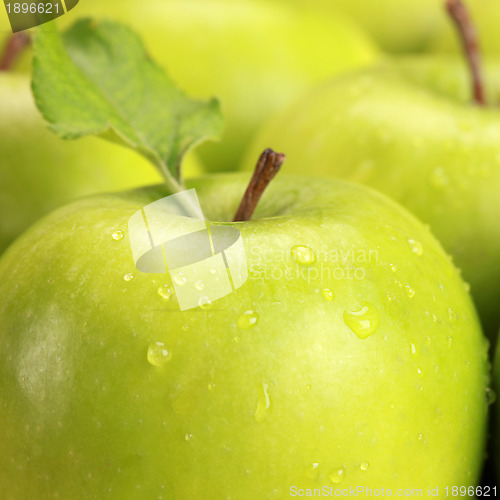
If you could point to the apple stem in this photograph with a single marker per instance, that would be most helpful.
(266, 169)
(15, 44)
(467, 31)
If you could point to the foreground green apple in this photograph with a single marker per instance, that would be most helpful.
(351, 356)
(255, 58)
(410, 132)
(39, 172)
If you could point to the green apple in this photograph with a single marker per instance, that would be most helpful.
(409, 131)
(486, 17)
(351, 356)
(254, 57)
(39, 172)
(397, 26)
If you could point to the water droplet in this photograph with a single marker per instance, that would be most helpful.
(158, 355)
(117, 235)
(303, 255)
(416, 247)
(337, 475)
(165, 292)
(394, 268)
(180, 279)
(199, 285)
(420, 437)
(328, 294)
(237, 339)
(491, 396)
(364, 465)
(450, 341)
(185, 327)
(419, 372)
(128, 277)
(364, 322)
(213, 270)
(312, 471)
(410, 291)
(413, 350)
(452, 315)
(211, 386)
(263, 405)
(248, 320)
(188, 437)
(205, 303)
(439, 178)
(434, 318)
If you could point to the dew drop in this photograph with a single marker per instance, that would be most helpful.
(205, 303)
(165, 292)
(420, 437)
(364, 322)
(413, 350)
(213, 270)
(188, 437)
(364, 465)
(416, 247)
(263, 404)
(248, 320)
(410, 291)
(312, 471)
(337, 475)
(185, 327)
(128, 277)
(328, 294)
(199, 285)
(158, 355)
(117, 235)
(180, 279)
(303, 255)
(211, 386)
(491, 396)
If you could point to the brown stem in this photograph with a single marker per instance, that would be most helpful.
(267, 167)
(467, 31)
(16, 43)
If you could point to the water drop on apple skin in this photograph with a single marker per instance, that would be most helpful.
(158, 354)
(248, 320)
(312, 471)
(365, 322)
(303, 255)
(328, 294)
(117, 235)
(205, 303)
(263, 404)
(128, 277)
(180, 279)
(165, 292)
(337, 475)
(416, 247)
(364, 465)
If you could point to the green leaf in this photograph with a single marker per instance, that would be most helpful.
(97, 78)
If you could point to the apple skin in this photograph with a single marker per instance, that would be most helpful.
(254, 57)
(85, 415)
(410, 132)
(39, 172)
(396, 26)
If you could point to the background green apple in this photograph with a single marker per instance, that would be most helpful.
(409, 131)
(254, 57)
(39, 171)
(369, 369)
(397, 26)
(486, 17)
